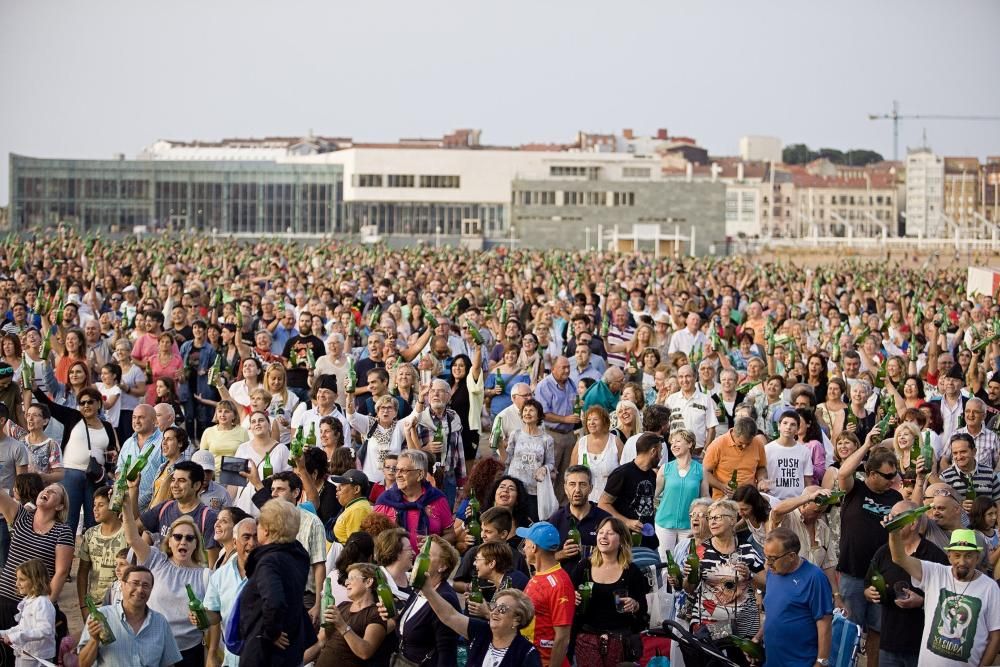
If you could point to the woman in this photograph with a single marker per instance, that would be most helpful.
(273, 621)
(133, 388)
(225, 437)
(228, 350)
(44, 454)
(179, 562)
(394, 554)
(508, 373)
(754, 509)
(859, 420)
(530, 454)
(72, 349)
(493, 570)
(356, 631)
(239, 391)
(406, 388)
(650, 361)
(175, 443)
(77, 377)
(617, 608)
(698, 515)
(166, 363)
(331, 437)
(261, 450)
(685, 478)
(599, 450)
(467, 397)
(913, 392)
(260, 401)
(817, 376)
(833, 412)
(226, 520)
(509, 492)
(626, 421)
(844, 445)
(725, 592)
(530, 359)
(10, 346)
(283, 402)
(633, 391)
(906, 446)
(381, 434)
(40, 533)
(423, 637)
(498, 641)
(334, 362)
(359, 548)
(811, 436)
(85, 436)
(413, 503)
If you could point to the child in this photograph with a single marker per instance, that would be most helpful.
(109, 386)
(983, 518)
(35, 631)
(114, 592)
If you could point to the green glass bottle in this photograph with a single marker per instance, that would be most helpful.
(832, 498)
(430, 320)
(351, 382)
(970, 488)
(267, 470)
(310, 359)
(121, 487)
(195, 606)
(673, 569)
(27, 373)
(734, 481)
(385, 593)
(574, 532)
(499, 381)
(753, 650)
(327, 602)
(474, 526)
(747, 386)
(927, 452)
(694, 563)
(496, 435)
(421, 566)
(311, 438)
(876, 580)
(586, 462)
(140, 464)
(907, 517)
(475, 591)
(295, 446)
(586, 590)
(107, 636)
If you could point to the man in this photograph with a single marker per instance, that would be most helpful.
(966, 466)
(165, 416)
(946, 516)
(807, 520)
(852, 368)
(213, 495)
(298, 374)
(223, 590)
(551, 592)
(352, 493)
(706, 379)
(581, 511)
(179, 327)
(902, 616)
(99, 352)
(378, 386)
(413, 503)
(324, 404)
(142, 636)
(619, 334)
(693, 410)
(185, 485)
(448, 457)
(557, 394)
(631, 488)
(798, 625)
(198, 355)
(655, 419)
(951, 402)
(687, 339)
(789, 462)
(373, 359)
(989, 394)
(863, 508)
(584, 366)
(987, 443)
(607, 391)
(11, 400)
(146, 346)
(583, 335)
(961, 606)
(497, 526)
(97, 550)
(146, 435)
(441, 351)
(741, 449)
(19, 324)
(510, 417)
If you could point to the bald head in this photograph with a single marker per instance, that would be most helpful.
(165, 416)
(143, 420)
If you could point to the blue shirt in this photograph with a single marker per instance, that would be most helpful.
(591, 371)
(156, 461)
(556, 400)
(793, 603)
(503, 400)
(152, 646)
(224, 587)
(672, 513)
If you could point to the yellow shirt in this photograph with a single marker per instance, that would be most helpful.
(350, 519)
(223, 443)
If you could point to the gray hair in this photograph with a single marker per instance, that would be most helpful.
(613, 374)
(729, 371)
(976, 402)
(744, 428)
(416, 457)
(339, 338)
(167, 409)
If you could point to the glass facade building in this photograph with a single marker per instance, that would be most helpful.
(223, 197)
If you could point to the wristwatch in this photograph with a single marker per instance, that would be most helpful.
(823, 662)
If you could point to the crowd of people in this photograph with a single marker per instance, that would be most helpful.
(277, 454)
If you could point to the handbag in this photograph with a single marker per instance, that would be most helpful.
(399, 660)
(547, 502)
(96, 473)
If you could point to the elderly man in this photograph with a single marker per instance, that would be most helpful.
(692, 409)
(690, 337)
(147, 436)
(605, 392)
(324, 404)
(224, 587)
(902, 616)
(142, 636)
(510, 417)
(807, 519)
(558, 398)
(165, 416)
(961, 605)
(799, 602)
(99, 352)
(437, 431)
(951, 402)
(986, 440)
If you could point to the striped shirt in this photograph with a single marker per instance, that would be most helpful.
(26, 544)
(984, 480)
(618, 336)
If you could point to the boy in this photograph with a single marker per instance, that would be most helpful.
(122, 564)
(497, 524)
(789, 462)
(98, 548)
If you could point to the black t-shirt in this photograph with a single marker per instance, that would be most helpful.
(634, 490)
(363, 366)
(587, 527)
(861, 528)
(299, 376)
(467, 570)
(902, 628)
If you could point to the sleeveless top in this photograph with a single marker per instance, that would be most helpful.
(601, 465)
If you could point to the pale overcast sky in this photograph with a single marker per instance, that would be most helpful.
(90, 79)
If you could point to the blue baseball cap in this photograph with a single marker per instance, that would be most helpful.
(543, 534)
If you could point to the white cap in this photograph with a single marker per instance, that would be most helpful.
(205, 459)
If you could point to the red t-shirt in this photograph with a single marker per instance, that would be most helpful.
(554, 598)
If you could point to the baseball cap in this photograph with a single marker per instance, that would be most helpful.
(353, 476)
(543, 534)
(129, 288)
(205, 459)
(963, 539)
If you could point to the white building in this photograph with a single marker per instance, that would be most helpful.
(758, 148)
(925, 194)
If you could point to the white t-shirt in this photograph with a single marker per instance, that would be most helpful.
(958, 616)
(787, 468)
(77, 456)
(107, 393)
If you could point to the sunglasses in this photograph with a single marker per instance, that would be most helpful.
(183, 538)
(88, 402)
(501, 608)
(887, 476)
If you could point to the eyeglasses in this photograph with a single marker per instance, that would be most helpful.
(500, 608)
(406, 471)
(144, 585)
(183, 538)
(354, 578)
(887, 476)
(520, 395)
(771, 560)
(720, 517)
(87, 402)
(389, 468)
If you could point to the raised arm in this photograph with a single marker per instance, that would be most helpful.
(851, 463)
(131, 523)
(789, 505)
(903, 559)
(447, 614)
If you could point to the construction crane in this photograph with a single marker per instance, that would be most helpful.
(895, 117)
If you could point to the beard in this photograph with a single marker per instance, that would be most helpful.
(963, 572)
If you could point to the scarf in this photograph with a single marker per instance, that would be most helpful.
(393, 497)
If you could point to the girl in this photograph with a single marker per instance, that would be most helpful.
(166, 392)
(983, 518)
(35, 631)
(109, 386)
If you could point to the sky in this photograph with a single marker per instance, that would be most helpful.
(96, 78)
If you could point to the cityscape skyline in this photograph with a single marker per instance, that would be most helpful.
(92, 81)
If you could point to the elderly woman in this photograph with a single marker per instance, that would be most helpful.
(617, 607)
(423, 636)
(531, 453)
(599, 450)
(725, 590)
(273, 621)
(381, 434)
(497, 641)
(352, 631)
(698, 515)
(413, 503)
(859, 421)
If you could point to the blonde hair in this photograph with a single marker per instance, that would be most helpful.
(198, 555)
(914, 442)
(449, 554)
(279, 370)
(280, 519)
(624, 543)
(38, 577)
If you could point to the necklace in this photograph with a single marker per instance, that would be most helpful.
(954, 604)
